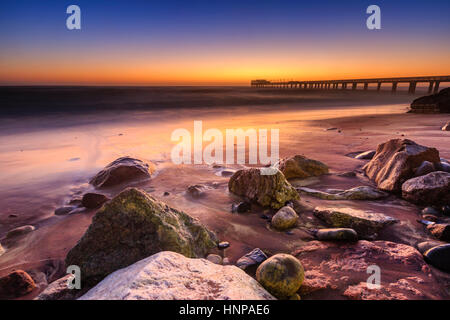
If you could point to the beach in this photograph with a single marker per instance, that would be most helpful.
(50, 158)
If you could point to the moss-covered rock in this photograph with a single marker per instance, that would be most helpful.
(268, 190)
(281, 275)
(301, 167)
(284, 219)
(133, 226)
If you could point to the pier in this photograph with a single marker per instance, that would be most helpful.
(352, 84)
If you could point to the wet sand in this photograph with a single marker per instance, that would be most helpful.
(48, 167)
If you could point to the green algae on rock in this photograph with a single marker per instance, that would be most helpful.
(281, 275)
(268, 190)
(301, 167)
(133, 226)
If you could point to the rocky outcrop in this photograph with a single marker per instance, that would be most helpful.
(366, 223)
(343, 270)
(282, 275)
(121, 171)
(357, 193)
(16, 284)
(435, 103)
(301, 167)
(93, 200)
(171, 276)
(132, 226)
(285, 218)
(396, 161)
(268, 190)
(433, 188)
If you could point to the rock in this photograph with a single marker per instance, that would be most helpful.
(214, 258)
(435, 103)
(443, 166)
(253, 258)
(445, 210)
(395, 162)
(439, 257)
(241, 207)
(433, 188)
(16, 284)
(281, 275)
(430, 210)
(121, 171)
(166, 194)
(227, 172)
(368, 155)
(427, 245)
(440, 230)
(301, 167)
(93, 200)
(336, 269)
(196, 191)
(64, 210)
(425, 168)
(446, 127)
(339, 234)
(366, 223)
(357, 193)
(132, 226)
(284, 219)
(266, 190)
(58, 290)
(20, 231)
(430, 217)
(223, 245)
(2, 250)
(171, 276)
(347, 174)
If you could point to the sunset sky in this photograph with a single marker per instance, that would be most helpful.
(219, 42)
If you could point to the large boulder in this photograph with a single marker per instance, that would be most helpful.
(93, 200)
(435, 103)
(433, 189)
(440, 230)
(16, 284)
(171, 276)
(268, 190)
(301, 167)
(121, 171)
(282, 275)
(366, 223)
(344, 270)
(133, 226)
(396, 161)
(446, 127)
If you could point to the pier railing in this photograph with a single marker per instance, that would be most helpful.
(345, 84)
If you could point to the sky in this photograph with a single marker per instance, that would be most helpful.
(219, 42)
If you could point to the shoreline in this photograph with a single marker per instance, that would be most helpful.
(56, 235)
